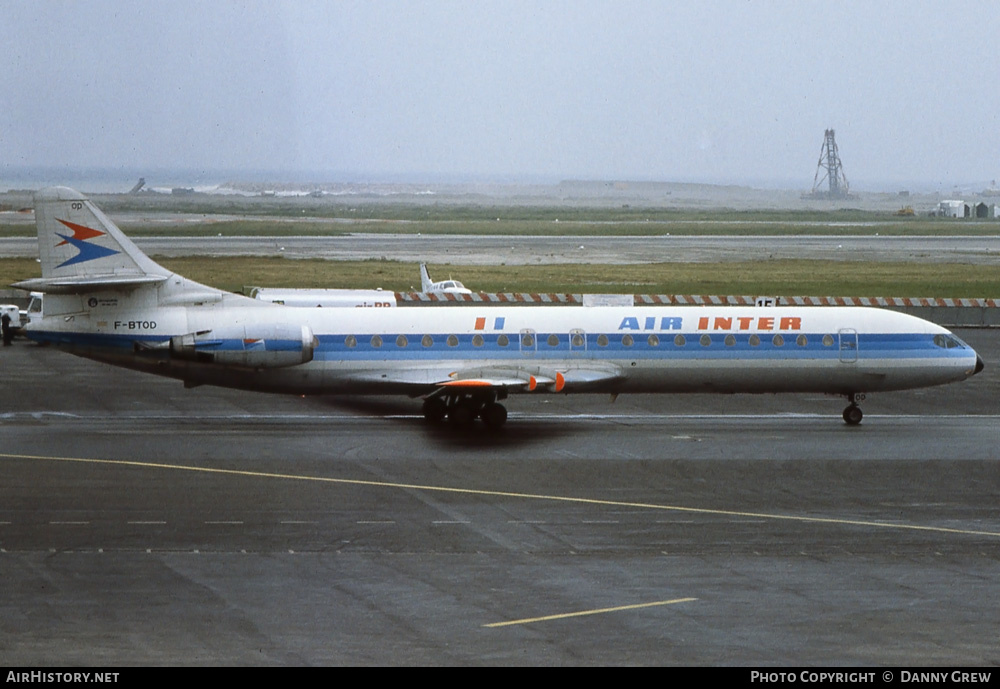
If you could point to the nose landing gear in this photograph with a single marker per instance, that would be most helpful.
(853, 413)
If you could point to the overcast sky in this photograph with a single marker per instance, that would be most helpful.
(734, 92)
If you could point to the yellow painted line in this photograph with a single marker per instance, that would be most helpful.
(582, 613)
(509, 494)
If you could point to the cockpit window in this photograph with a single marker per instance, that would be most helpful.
(947, 341)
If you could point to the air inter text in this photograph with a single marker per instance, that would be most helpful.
(723, 323)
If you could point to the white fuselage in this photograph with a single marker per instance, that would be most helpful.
(839, 350)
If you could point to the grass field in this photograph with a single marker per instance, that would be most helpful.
(753, 278)
(299, 217)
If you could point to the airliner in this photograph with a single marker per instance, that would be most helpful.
(106, 300)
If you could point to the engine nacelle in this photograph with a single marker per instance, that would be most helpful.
(262, 345)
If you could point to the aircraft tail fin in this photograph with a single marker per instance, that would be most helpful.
(425, 279)
(82, 250)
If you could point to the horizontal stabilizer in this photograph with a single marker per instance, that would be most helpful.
(87, 283)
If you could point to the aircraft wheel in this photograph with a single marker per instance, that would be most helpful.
(494, 416)
(853, 415)
(462, 414)
(435, 409)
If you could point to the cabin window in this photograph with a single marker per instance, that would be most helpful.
(680, 340)
(577, 340)
(503, 341)
(553, 340)
(653, 341)
(602, 340)
(527, 340)
(426, 340)
(627, 340)
(778, 340)
(801, 340)
(351, 341)
(401, 341)
(754, 341)
(730, 340)
(705, 340)
(477, 340)
(828, 340)
(376, 341)
(453, 341)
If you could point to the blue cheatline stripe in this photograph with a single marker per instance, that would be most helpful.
(464, 346)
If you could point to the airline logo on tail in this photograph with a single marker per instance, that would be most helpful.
(81, 235)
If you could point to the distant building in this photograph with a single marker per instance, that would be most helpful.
(952, 209)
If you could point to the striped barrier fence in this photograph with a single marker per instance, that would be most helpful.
(403, 298)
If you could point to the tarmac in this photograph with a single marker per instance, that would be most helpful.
(145, 524)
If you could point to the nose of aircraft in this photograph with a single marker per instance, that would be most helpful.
(979, 365)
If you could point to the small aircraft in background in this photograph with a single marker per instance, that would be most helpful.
(106, 300)
(428, 286)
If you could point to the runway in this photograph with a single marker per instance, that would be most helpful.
(530, 250)
(142, 523)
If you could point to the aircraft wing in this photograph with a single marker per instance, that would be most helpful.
(437, 376)
(508, 378)
(495, 381)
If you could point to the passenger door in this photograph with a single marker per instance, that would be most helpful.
(848, 345)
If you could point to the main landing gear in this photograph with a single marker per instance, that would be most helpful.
(462, 410)
(853, 413)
